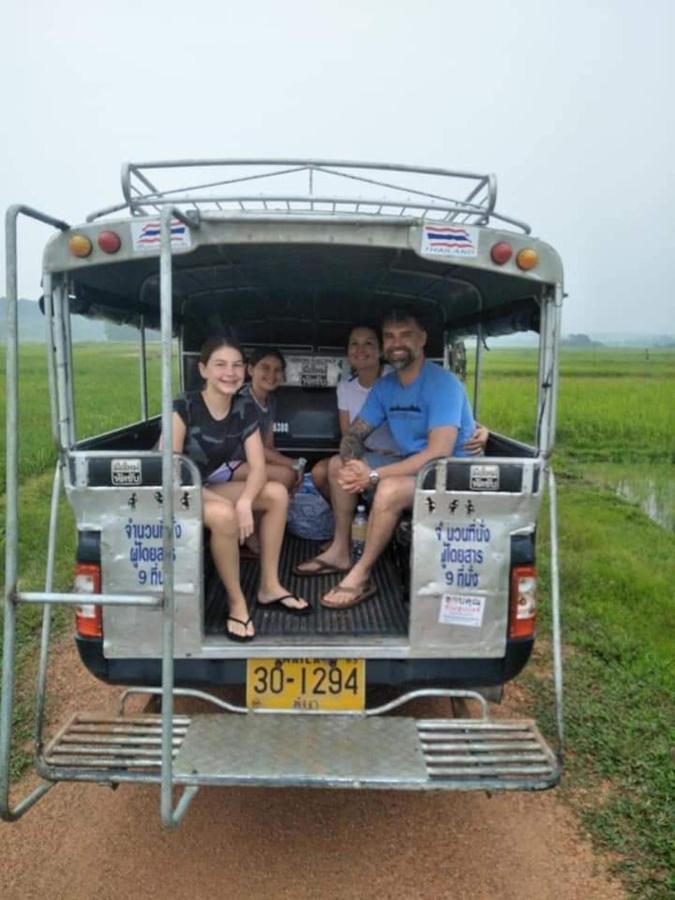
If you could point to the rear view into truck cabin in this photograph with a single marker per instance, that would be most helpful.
(454, 611)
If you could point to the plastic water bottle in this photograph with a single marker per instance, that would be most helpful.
(359, 525)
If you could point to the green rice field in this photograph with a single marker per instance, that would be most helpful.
(614, 405)
(615, 460)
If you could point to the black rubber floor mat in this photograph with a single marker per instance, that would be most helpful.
(383, 614)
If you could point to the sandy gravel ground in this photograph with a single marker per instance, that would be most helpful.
(87, 841)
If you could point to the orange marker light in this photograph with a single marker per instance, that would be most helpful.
(109, 241)
(527, 259)
(79, 245)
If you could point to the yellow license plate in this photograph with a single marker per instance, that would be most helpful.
(306, 684)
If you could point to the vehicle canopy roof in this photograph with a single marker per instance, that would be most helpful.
(298, 269)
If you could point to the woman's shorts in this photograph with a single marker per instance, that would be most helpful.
(224, 473)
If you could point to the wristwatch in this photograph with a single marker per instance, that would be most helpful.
(373, 477)
(299, 464)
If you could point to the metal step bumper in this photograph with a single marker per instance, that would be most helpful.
(281, 750)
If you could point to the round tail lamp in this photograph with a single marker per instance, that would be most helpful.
(501, 252)
(109, 241)
(527, 259)
(79, 245)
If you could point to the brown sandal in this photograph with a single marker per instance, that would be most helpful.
(322, 568)
(358, 595)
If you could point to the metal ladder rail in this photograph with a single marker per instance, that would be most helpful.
(555, 615)
(171, 817)
(12, 596)
(11, 508)
(546, 416)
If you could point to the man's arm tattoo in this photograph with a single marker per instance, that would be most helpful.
(352, 444)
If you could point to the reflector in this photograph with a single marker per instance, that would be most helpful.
(79, 245)
(501, 252)
(109, 241)
(527, 258)
(523, 605)
(88, 616)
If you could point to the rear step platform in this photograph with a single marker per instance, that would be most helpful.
(277, 750)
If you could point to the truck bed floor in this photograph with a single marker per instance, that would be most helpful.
(384, 614)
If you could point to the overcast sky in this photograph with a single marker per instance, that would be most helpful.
(570, 102)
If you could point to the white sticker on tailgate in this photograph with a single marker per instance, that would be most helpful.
(459, 609)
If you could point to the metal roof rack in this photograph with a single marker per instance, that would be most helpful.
(300, 187)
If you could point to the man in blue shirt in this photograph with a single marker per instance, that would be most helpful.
(429, 415)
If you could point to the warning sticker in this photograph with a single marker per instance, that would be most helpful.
(449, 240)
(459, 609)
(146, 235)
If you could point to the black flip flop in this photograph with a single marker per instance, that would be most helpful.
(291, 610)
(239, 638)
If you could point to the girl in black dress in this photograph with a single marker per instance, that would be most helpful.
(219, 430)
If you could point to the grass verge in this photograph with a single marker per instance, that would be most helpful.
(618, 569)
(35, 500)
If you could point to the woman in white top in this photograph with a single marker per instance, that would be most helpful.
(363, 353)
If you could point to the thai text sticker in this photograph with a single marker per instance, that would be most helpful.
(457, 609)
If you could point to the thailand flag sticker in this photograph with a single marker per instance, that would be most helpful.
(145, 235)
(449, 240)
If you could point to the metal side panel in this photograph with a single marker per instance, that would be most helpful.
(465, 514)
(129, 520)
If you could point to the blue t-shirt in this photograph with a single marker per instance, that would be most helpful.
(435, 399)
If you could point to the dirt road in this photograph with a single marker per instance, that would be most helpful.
(86, 841)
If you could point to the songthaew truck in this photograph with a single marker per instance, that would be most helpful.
(289, 254)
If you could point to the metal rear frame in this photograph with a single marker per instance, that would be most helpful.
(61, 399)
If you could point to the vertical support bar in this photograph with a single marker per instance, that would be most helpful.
(555, 615)
(11, 510)
(47, 611)
(181, 363)
(541, 356)
(143, 371)
(166, 305)
(556, 315)
(548, 372)
(61, 370)
(70, 369)
(51, 367)
(477, 373)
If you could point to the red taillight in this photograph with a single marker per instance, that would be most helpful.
(501, 252)
(88, 616)
(523, 603)
(109, 241)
